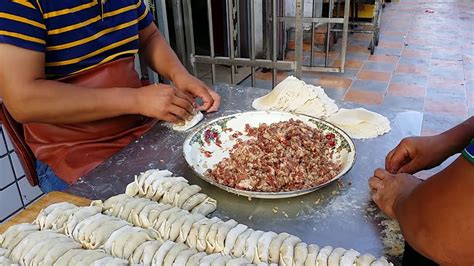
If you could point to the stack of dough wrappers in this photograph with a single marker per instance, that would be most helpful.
(159, 221)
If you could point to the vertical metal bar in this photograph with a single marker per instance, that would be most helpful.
(211, 39)
(267, 28)
(274, 40)
(345, 28)
(299, 37)
(162, 18)
(179, 32)
(312, 34)
(252, 38)
(188, 27)
(328, 33)
(230, 36)
(237, 22)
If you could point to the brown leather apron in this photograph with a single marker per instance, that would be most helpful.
(73, 150)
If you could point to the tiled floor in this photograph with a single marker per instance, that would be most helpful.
(424, 62)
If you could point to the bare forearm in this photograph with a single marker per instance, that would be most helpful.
(60, 103)
(158, 53)
(437, 218)
(458, 137)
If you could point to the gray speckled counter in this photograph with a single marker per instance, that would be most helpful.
(338, 215)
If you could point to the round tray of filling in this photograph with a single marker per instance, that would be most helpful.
(267, 154)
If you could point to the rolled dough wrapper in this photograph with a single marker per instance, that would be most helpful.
(195, 259)
(56, 251)
(349, 258)
(184, 256)
(312, 254)
(12, 232)
(323, 256)
(239, 246)
(189, 123)
(287, 250)
(193, 201)
(176, 226)
(161, 222)
(263, 246)
(67, 257)
(160, 255)
(251, 245)
(170, 222)
(232, 238)
(186, 228)
(206, 207)
(335, 257)
(301, 253)
(238, 262)
(142, 236)
(221, 261)
(381, 262)
(173, 253)
(201, 243)
(275, 245)
(211, 237)
(110, 261)
(168, 197)
(360, 123)
(186, 193)
(150, 213)
(365, 260)
(222, 232)
(135, 214)
(79, 216)
(166, 185)
(150, 250)
(208, 259)
(102, 233)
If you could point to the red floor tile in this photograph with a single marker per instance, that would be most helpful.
(407, 90)
(334, 82)
(384, 58)
(412, 69)
(443, 83)
(388, 44)
(374, 75)
(364, 97)
(352, 64)
(408, 52)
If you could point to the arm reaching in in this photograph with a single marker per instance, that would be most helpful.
(436, 216)
(420, 153)
(161, 58)
(30, 97)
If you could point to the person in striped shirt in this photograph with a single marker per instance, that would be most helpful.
(436, 216)
(67, 73)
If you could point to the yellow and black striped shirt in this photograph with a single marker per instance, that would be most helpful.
(75, 35)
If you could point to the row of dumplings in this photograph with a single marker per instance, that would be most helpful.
(161, 186)
(213, 235)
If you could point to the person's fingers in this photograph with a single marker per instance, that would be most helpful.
(207, 99)
(186, 105)
(184, 95)
(399, 157)
(388, 160)
(217, 101)
(179, 112)
(409, 168)
(170, 118)
(381, 173)
(374, 183)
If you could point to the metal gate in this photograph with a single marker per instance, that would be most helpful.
(274, 25)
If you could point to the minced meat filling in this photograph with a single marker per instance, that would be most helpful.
(283, 156)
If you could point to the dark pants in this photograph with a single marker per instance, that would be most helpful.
(48, 180)
(411, 257)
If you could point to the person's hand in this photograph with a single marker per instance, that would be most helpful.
(188, 83)
(388, 189)
(415, 154)
(164, 102)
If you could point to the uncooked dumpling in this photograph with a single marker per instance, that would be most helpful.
(239, 246)
(323, 256)
(263, 246)
(222, 232)
(313, 251)
(230, 239)
(365, 260)
(189, 123)
(275, 245)
(251, 245)
(173, 253)
(287, 250)
(301, 252)
(335, 256)
(161, 253)
(349, 258)
(184, 256)
(360, 123)
(381, 262)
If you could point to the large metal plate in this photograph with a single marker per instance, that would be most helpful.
(202, 155)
